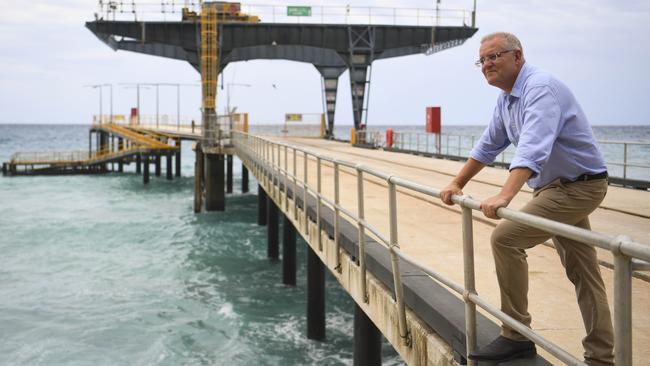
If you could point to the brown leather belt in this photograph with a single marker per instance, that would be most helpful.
(585, 177)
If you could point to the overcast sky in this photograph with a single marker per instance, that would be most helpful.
(599, 48)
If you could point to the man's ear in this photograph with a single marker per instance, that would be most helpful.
(519, 55)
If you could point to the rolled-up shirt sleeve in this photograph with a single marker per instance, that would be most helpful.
(493, 141)
(539, 131)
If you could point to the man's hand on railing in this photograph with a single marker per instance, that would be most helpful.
(450, 190)
(492, 204)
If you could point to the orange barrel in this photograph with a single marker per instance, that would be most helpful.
(389, 137)
(353, 136)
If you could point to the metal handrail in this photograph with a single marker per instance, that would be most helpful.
(461, 145)
(274, 13)
(66, 157)
(628, 255)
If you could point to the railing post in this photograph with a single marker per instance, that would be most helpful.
(470, 287)
(272, 168)
(295, 185)
(336, 217)
(304, 195)
(263, 166)
(426, 148)
(286, 179)
(279, 169)
(318, 201)
(624, 160)
(362, 235)
(397, 278)
(447, 145)
(267, 166)
(622, 306)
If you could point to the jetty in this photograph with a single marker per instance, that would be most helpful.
(115, 144)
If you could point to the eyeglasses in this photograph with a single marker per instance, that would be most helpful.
(491, 57)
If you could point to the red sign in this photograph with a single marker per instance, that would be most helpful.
(433, 120)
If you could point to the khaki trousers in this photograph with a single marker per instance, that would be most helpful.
(570, 203)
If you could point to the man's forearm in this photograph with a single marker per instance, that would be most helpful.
(515, 181)
(469, 170)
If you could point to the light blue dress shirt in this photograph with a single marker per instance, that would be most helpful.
(542, 118)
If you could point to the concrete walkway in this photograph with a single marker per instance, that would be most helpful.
(431, 232)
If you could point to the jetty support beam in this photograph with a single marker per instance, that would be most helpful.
(215, 194)
(244, 178)
(272, 229)
(367, 340)
(288, 252)
(261, 206)
(138, 164)
(157, 163)
(178, 158)
(168, 170)
(229, 173)
(198, 179)
(315, 296)
(145, 175)
(120, 147)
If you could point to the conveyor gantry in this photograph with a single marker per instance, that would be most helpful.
(331, 48)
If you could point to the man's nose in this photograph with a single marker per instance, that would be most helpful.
(488, 65)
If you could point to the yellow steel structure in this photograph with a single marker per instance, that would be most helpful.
(239, 122)
(226, 11)
(140, 142)
(211, 14)
(209, 56)
(138, 138)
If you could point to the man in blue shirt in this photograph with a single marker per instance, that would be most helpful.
(559, 158)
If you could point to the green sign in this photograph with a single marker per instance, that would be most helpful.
(299, 11)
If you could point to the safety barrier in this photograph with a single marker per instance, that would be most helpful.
(62, 157)
(273, 158)
(157, 120)
(330, 14)
(625, 159)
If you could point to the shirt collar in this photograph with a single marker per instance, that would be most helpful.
(519, 83)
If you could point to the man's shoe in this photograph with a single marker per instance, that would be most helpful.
(504, 349)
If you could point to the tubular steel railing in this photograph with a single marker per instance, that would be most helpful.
(628, 255)
(162, 121)
(626, 159)
(65, 157)
(274, 13)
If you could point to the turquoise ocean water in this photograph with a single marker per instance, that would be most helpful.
(102, 270)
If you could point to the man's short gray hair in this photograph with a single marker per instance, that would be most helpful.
(512, 42)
